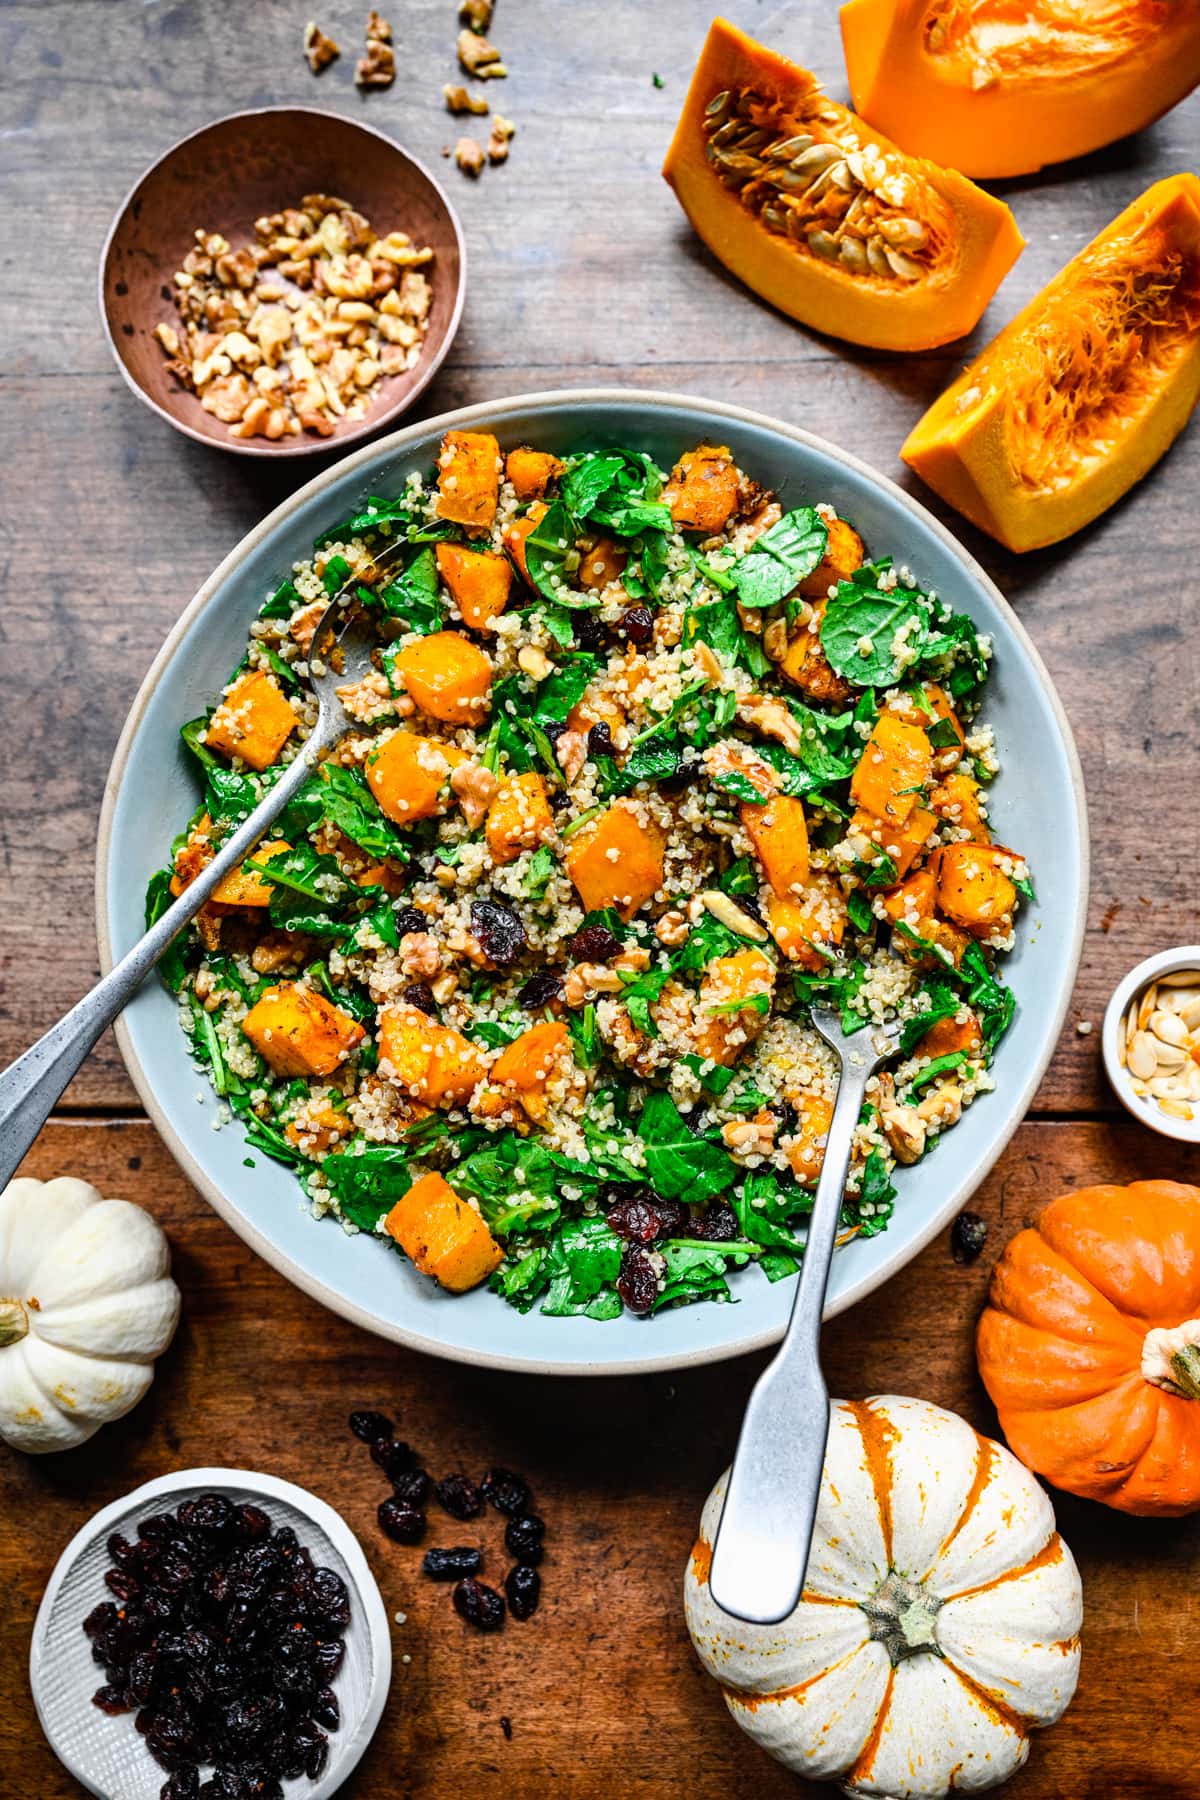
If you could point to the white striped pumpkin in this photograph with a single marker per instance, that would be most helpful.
(939, 1622)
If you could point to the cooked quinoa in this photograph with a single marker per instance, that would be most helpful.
(520, 982)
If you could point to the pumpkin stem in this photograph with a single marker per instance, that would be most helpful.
(903, 1617)
(1171, 1358)
(14, 1323)
(1185, 1371)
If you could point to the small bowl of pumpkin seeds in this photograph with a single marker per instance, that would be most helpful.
(1151, 1042)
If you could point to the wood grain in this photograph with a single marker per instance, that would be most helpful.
(601, 1687)
(582, 272)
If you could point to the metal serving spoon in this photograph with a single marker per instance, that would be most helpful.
(763, 1539)
(32, 1085)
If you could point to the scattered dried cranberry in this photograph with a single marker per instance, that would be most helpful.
(717, 1224)
(112, 1699)
(637, 1282)
(393, 1456)
(371, 1426)
(968, 1235)
(554, 729)
(523, 1585)
(409, 918)
(523, 1537)
(326, 1710)
(540, 990)
(594, 943)
(420, 995)
(211, 1513)
(637, 624)
(642, 1220)
(452, 1564)
(459, 1496)
(479, 1604)
(500, 932)
(401, 1521)
(183, 1785)
(599, 739)
(413, 1487)
(253, 1522)
(508, 1493)
(686, 775)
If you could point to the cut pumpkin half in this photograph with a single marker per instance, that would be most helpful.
(1087, 387)
(823, 216)
(1003, 87)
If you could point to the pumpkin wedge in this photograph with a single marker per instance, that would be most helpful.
(1003, 91)
(1087, 387)
(823, 216)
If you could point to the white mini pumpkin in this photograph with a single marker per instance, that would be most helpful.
(86, 1304)
(939, 1622)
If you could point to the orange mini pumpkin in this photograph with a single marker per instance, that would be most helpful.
(1090, 1346)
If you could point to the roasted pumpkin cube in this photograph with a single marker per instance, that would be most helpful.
(516, 534)
(519, 816)
(730, 1008)
(813, 922)
(317, 1125)
(447, 676)
(432, 1062)
(604, 562)
(807, 667)
(779, 834)
(938, 706)
(299, 1032)
(525, 1066)
(479, 581)
(246, 887)
(531, 471)
(805, 1151)
(843, 555)
(443, 1235)
(193, 855)
(903, 843)
(958, 1032)
(382, 874)
(895, 766)
(958, 800)
(703, 490)
(974, 889)
(253, 721)
(912, 905)
(410, 776)
(617, 859)
(469, 479)
(594, 707)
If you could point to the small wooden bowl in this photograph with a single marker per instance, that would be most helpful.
(222, 179)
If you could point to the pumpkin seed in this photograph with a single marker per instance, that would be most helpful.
(787, 148)
(727, 134)
(841, 177)
(755, 139)
(903, 234)
(903, 265)
(1189, 1012)
(1146, 1005)
(1167, 1087)
(775, 218)
(813, 160)
(877, 258)
(1176, 1109)
(1181, 978)
(717, 105)
(1168, 1027)
(1193, 1082)
(1142, 1056)
(818, 186)
(853, 254)
(823, 244)
(727, 912)
(736, 165)
(1170, 1058)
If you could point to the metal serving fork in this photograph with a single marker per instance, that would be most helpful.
(29, 1089)
(761, 1550)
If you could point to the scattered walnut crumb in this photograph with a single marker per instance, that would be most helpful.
(378, 28)
(502, 130)
(459, 101)
(480, 58)
(476, 13)
(319, 49)
(469, 156)
(377, 69)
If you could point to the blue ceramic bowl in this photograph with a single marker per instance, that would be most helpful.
(1037, 804)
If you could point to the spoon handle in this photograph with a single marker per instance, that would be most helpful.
(30, 1087)
(762, 1544)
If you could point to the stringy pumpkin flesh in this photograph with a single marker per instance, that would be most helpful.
(1024, 40)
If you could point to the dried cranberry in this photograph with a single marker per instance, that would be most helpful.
(409, 918)
(459, 1496)
(329, 1657)
(523, 1537)
(371, 1426)
(479, 1604)
(453, 1563)
(637, 624)
(252, 1522)
(637, 1282)
(420, 995)
(112, 1700)
(329, 1599)
(499, 931)
(101, 1618)
(540, 990)
(589, 630)
(599, 739)
(212, 1514)
(393, 1456)
(183, 1785)
(413, 1487)
(326, 1710)
(401, 1521)
(523, 1585)
(686, 775)
(717, 1224)
(642, 1220)
(967, 1237)
(593, 943)
(122, 1584)
(554, 728)
(123, 1553)
(508, 1493)
(159, 1525)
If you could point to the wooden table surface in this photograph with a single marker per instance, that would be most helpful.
(582, 272)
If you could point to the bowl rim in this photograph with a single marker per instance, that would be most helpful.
(288, 447)
(267, 1487)
(464, 418)
(1163, 962)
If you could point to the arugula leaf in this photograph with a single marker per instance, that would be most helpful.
(732, 781)
(546, 550)
(680, 1165)
(585, 1037)
(741, 877)
(707, 940)
(941, 1065)
(190, 733)
(348, 803)
(540, 872)
(414, 599)
(781, 558)
(686, 698)
(561, 691)
(876, 1192)
(336, 574)
(587, 1255)
(857, 616)
(159, 899)
(859, 909)
(721, 579)
(942, 734)
(653, 762)
(206, 1045)
(308, 890)
(366, 1183)
(371, 519)
(230, 798)
(588, 478)
(759, 1003)
(283, 602)
(719, 626)
(695, 1270)
(944, 1002)
(639, 995)
(716, 1079)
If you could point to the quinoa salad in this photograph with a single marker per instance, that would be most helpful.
(649, 762)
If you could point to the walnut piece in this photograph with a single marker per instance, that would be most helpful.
(377, 69)
(378, 28)
(502, 130)
(469, 156)
(476, 13)
(319, 49)
(478, 57)
(459, 101)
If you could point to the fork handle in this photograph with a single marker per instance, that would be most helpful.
(762, 1544)
(30, 1087)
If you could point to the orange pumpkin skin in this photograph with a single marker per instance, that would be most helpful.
(973, 238)
(1082, 393)
(919, 72)
(1061, 1341)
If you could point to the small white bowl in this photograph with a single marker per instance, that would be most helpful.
(106, 1753)
(1143, 1107)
